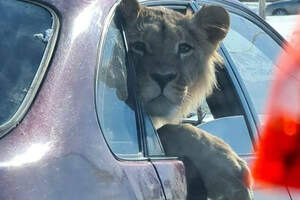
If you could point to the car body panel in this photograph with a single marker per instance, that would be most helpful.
(58, 150)
(59, 142)
(172, 176)
(295, 193)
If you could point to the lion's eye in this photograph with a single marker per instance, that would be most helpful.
(184, 48)
(139, 47)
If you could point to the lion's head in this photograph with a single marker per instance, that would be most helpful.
(174, 55)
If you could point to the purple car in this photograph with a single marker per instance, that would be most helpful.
(66, 133)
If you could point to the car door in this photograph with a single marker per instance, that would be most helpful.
(256, 67)
(61, 154)
(119, 113)
(235, 110)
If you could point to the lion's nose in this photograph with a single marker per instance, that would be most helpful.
(163, 79)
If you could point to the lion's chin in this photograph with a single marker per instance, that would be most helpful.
(161, 106)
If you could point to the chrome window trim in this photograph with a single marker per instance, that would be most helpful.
(36, 82)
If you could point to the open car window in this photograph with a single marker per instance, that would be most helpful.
(254, 54)
(222, 115)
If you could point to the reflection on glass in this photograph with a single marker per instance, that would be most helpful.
(255, 54)
(20, 51)
(117, 118)
(153, 143)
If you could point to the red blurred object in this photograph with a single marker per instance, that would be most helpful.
(279, 148)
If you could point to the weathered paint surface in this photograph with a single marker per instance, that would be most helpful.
(58, 151)
(172, 176)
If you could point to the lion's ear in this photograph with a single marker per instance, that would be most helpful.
(214, 20)
(129, 10)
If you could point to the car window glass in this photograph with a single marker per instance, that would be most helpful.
(255, 54)
(222, 115)
(233, 130)
(25, 30)
(154, 146)
(116, 116)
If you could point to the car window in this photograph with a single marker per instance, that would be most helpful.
(255, 54)
(25, 32)
(222, 115)
(154, 147)
(116, 114)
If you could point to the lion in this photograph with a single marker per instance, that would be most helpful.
(174, 57)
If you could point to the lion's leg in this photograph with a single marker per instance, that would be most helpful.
(195, 184)
(222, 171)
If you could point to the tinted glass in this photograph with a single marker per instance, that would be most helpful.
(233, 130)
(222, 115)
(255, 54)
(117, 118)
(153, 143)
(23, 28)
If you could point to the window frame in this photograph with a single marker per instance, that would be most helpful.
(38, 78)
(250, 115)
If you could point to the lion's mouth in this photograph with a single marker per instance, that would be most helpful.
(162, 99)
(164, 102)
(160, 106)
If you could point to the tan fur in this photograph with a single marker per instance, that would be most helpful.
(161, 31)
(172, 81)
(225, 175)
